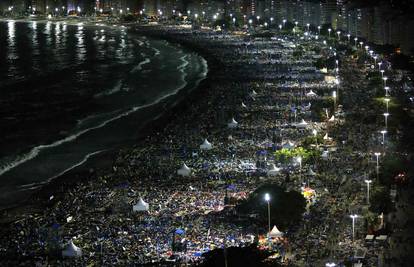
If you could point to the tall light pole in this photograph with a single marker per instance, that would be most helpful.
(382, 73)
(329, 32)
(353, 217)
(334, 99)
(386, 88)
(284, 23)
(377, 154)
(368, 182)
(386, 114)
(308, 25)
(267, 199)
(319, 30)
(355, 40)
(349, 37)
(339, 35)
(386, 100)
(379, 66)
(385, 80)
(383, 132)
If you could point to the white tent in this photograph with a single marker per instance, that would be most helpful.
(369, 237)
(302, 124)
(288, 145)
(326, 137)
(184, 170)
(141, 206)
(232, 124)
(71, 250)
(243, 105)
(273, 170)
(311, 172)
(311, 94)
(206, 145)
(275, 232)
(332, 118)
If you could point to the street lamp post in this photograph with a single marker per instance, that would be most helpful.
(386, 88)
(368, 182)
(334, 99)
(379, 66)
(319, 30)
(353, 217)
(386, 100)
(267, 199)
(329, 32)
(385, 80)
(383, 132)
(355, 40)
(386, 119)
(377, 154)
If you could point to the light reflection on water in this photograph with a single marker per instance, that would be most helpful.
(81, 50)
(11, 35)
(92, 91)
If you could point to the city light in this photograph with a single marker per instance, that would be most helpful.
(110, 76)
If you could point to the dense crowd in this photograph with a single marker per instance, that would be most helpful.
(265, 87)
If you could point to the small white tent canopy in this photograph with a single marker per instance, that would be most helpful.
(141, 206)
(184, 170)
(232, 124)
(71, 250)
(288, 145)
(326, 137)
(381, 238)
(273, 170)
(302, 124)
(275, 232)
(206, 145)
(311, 94)
(311, 172)
(369, 237)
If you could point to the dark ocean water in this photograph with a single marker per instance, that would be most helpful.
(69, 92)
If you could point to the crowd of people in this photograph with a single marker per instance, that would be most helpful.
(264, 89)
